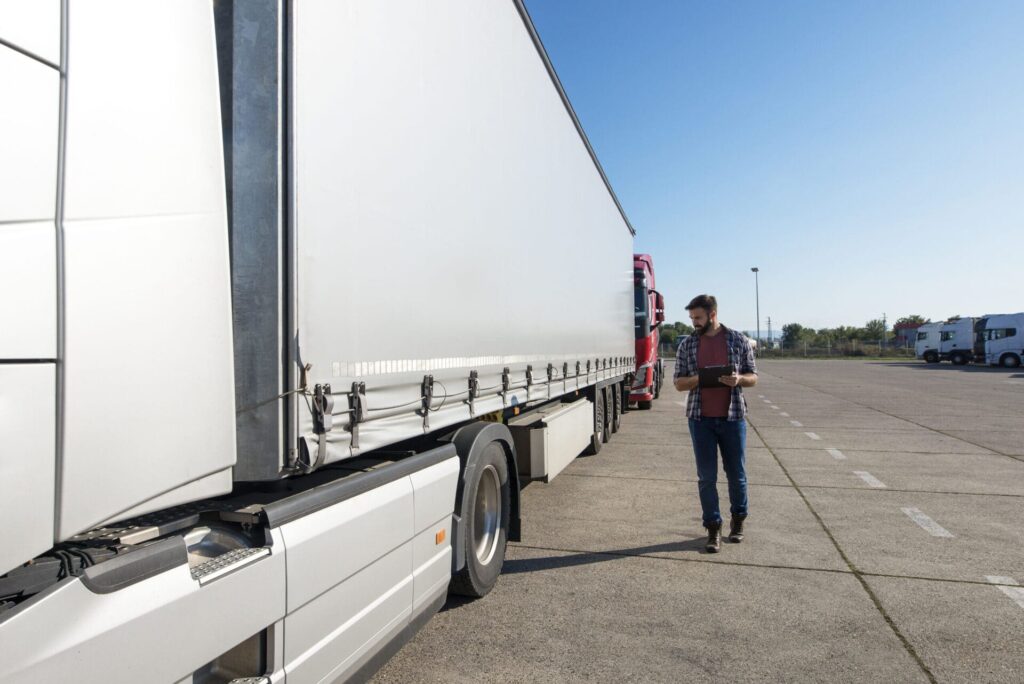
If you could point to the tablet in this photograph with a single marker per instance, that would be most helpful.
(709, 375)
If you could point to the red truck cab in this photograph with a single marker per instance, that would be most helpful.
(649, 314)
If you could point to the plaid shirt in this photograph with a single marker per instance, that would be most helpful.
(741, 355)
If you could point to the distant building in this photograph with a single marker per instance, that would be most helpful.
(906, 333)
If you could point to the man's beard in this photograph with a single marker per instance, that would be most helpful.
(705, 329)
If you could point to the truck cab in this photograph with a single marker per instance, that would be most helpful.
(927, 345)
(956, 338)
(648, 315)
(999, 340)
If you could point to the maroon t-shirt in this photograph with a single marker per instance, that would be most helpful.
(713, 351)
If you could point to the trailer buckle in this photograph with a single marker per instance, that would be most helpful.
(474, 390)
(356, 410)
(427, 397)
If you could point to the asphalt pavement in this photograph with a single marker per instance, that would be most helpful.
(885, 543)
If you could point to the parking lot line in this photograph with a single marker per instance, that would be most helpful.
(767, 401)
(1015, 592)
(930, 526)
(775, 407)
(812, 435)
(836, 454)
(784, 414)
(796, 423)
(870, 479)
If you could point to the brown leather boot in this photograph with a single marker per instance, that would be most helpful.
(714, 544)
(736, 528)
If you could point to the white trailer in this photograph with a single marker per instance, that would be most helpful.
(295, 293)
(926, 346)
(956, 341)
(999, 340)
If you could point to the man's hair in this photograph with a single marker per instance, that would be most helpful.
(704, 301)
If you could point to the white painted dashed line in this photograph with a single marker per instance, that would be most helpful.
(760, 396)
(767, 401)
(930, 526)
(784, 414)
(812, 435)
(870, 479)
(796, 423)
(1015, 592)
(836, 454)
(775, 407)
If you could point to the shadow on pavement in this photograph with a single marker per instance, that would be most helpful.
(941, 367)
(513, 567)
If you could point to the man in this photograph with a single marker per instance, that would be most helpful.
(717, 415)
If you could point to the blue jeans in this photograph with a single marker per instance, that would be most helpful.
(709, 435)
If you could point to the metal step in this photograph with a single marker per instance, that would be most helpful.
(227, 563)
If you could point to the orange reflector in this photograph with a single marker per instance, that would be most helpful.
(439, 537)
(515, 411)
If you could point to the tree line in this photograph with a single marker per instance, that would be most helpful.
(875, 330)
(795, 334)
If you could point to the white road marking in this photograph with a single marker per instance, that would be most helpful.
(796, 423)
(930, 526)
(784, 414)
(760, 396)
(836, 454)
(812, 435)
(767, 401)
(1016, 592)
(775, 407)
(870, 479)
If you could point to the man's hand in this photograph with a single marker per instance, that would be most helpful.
(730, 380)
(736, 380)
(686, 383)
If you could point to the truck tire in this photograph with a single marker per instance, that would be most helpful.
(616, 391)
(958, 358)
(644, 405)
(657, 382)
(597, 439)
(1009, 361)
(931, 357)
(485, 511)
(606, 393)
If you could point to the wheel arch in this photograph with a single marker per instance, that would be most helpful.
(469, 441)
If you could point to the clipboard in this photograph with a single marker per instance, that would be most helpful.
(709, 375)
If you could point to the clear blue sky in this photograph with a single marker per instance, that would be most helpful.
(868, 156)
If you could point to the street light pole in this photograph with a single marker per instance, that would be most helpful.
(757, 306)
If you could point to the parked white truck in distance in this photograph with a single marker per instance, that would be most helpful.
(956, 341)
(296, 293)
(926, 346)
(999, 340)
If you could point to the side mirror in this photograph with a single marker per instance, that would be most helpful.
(659, 308)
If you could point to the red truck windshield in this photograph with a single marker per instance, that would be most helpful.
(641, 311)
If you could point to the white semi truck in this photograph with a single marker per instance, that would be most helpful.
(956, 341)
(999, 340)
(926, 346)
(294, 295)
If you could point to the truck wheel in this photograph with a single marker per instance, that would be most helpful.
(644, 405)
(1009, 361)
(597, 439)
(616, 408)
(657, 383)
(486, 510)
(931, 357)
(958, 359)
(606, 397)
